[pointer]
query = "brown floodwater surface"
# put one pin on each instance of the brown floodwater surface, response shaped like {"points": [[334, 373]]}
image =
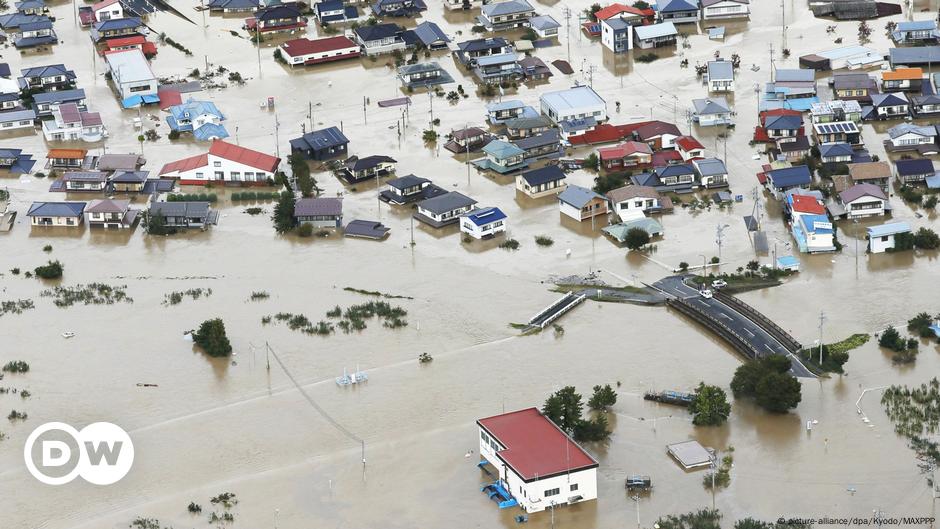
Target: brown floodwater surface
{"points": [[213, 426]]}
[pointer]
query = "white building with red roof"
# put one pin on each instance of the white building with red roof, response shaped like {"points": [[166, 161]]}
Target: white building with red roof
{"points": [[107, 10], [226, 163], [538, 465], [314, 51], [689, 148]]}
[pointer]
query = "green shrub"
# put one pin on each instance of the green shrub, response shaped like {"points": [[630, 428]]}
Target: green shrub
{"points": [[212, 339], [51, 270], [305, 230]]}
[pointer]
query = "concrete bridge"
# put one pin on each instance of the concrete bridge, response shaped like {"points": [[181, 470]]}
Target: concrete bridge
{"points": [[748, 331]]}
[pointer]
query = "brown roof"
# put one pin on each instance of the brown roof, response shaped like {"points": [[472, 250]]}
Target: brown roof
{"points": [[107, 206], [841, 182], [654, 129], [869, 171], [627, 192]]}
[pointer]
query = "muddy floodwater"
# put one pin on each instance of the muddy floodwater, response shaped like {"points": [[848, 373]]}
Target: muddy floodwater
{"points": [[214, 425]]}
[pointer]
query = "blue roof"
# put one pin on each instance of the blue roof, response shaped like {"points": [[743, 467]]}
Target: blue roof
{"points": [[790, 176], [917, 25], [329, 5], [891, 228], [543, 22], [655, 30], [783, 123], [577, 124], [484, 216], [500, 149], [549, 173], [429, 33], [787, 261], [674, 170], [377, 32], [617, 23], [117, 23], [60, 96], [323, 138], [504, 105], [498, 58], [210, 131], [35, 26], [914, 167], [835, 149], [193, 109], [56, 209], [666, 6], [809, 222], [578, 196]]}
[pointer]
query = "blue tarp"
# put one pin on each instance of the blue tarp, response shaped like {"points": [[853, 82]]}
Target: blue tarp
{"points": [[136, 101]]}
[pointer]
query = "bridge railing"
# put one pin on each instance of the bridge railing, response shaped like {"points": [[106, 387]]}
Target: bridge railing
{"points": [[763, 321], [738, 342]]}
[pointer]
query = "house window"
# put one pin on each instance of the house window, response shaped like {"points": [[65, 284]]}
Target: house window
{"points": [[217, 164], [236, 175], [552, 492], [573, 487], [219, 175]]}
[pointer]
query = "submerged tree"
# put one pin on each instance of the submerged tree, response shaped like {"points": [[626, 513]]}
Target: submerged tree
{"points": [[283, 217], [709, 406], [212, 339]]}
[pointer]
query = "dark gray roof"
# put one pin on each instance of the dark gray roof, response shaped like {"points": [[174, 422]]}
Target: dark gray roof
{"points": [[539, 140], [56, 209], [368, 162], [323, 206], [180, 209], [321, 139], [430, 33], [549, 173], [446, 202], [369, 229], [578, 196], [60, 96], [407, 181]]}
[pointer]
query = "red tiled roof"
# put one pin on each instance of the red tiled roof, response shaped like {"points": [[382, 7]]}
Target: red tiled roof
{"points": [[607, 133], [760, 135], [245, 156], [808, 204], [297, 47], [535, 447], [688, 143], [653, 129], [616, 9], [624, 149], [67, 154], [103, 4], [664, 158], [762, 178], [169, 98], [186, 164], [125, 41]]}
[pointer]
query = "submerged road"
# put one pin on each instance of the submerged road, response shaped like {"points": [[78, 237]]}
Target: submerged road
{"points": [[762, 342]]}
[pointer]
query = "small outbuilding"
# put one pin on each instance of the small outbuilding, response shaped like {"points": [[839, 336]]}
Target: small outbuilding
{"points": [[881, 237]]}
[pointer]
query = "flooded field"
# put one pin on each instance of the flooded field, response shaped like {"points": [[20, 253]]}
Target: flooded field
{"points": [[213, 425]]}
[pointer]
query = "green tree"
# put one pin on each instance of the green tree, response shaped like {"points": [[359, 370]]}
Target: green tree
{"points": [[778, 392], [640, 4], [591, 12], [301, 171], [637, 238], [709, 406], [703, 519], [283, 217], [604, 397], [926, 239], [564, 408], [592, 430], [212, 339], [50, 270]]}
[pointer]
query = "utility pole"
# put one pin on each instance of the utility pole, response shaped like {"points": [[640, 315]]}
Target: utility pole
{"points": [[783, 19], [277, 140], [772, 65], [568, 31], [822, 319], [465, 127], [310, 114], [364, 119], [714, 471], [719, 233], [431, 111], [636, 498], [258, 42]]}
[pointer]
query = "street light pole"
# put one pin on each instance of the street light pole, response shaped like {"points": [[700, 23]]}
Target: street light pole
{"points": [[636, 498], [704, 259]]}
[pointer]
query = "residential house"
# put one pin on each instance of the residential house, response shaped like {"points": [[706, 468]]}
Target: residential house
{"points": [[96, 181], [925, 105], [544, 26], [132, 77], [720, 9], [304, 51], [277, 18], [380, 38], [581, 203], [525, 127], [66, 158], [915, 32], [334, 12], [11, 100], [408, 189], [107, 10], [915, 56], [872, 173], [47, 78], [31, 7], [468, 51], [535, 462], [678, 11], [321, 212], [619, 231], [881, 238], [16, 161], [33, 34], [320, 145], [510, 14], [111, 213], [689, 148], [470, 139], [796, 204], [902, 80], [889, 106], [628, 156], [679, 176], [56, 213], [863, 200], [46, 102], [574, 128], [116, 27], [398, 8], [184, 214], [538, 183], [836, 153], [444, 209], [17, 119], [464, 5], [656, 35], [914, 171], [112, 162], [573, 103], [712, 111], [499, 113], [792, 83], [226, 163], [617, 33], [711, 172], [423, 75], [202, 118], [846, 57], [497, 68], [431, 36], [779, 126], [233, 6], [781, 180], [910, 137], [533, 69], [720, 76], [483, 223], [795, 150], [129, 181], [69, 123], [367, 168], [854, 86], [138, 42], [632, 198], [657, 134], [547, 143], [814, 234], [836, 110], [839, 131]]}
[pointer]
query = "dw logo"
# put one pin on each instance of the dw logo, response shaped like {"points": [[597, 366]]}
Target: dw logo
{"points": [[56, 453]]}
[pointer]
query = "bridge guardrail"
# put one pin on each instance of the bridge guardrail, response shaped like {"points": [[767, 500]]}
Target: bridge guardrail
{"points": [[763, 321], [737, 341]]}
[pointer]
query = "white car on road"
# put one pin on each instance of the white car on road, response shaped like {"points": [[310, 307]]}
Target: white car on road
{"points": [[706, 293], [719, 283]]}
